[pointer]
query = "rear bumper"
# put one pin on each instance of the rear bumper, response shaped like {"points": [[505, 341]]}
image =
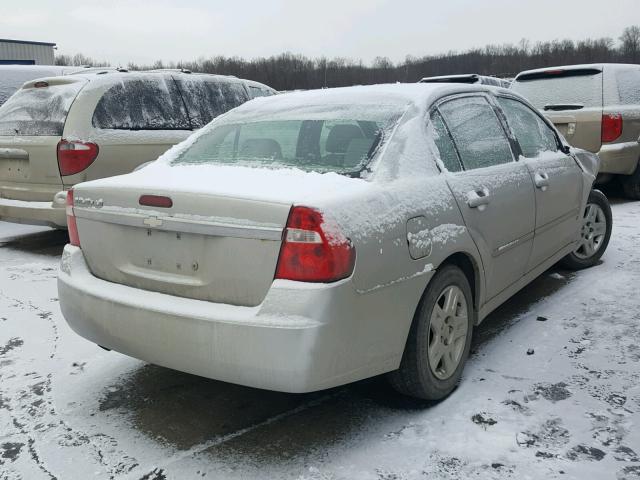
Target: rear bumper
{"points": [[301, 338], [52, 214], [619, 158]]}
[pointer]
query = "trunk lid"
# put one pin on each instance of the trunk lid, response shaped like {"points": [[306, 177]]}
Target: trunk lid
{"points": [[220, 239]]}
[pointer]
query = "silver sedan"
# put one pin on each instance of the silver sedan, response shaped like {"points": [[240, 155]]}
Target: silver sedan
{"points": [[312, 239]]}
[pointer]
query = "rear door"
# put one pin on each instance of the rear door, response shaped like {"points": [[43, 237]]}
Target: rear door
{"points": [[493, 191], [31, 125], [571, 98], [556, 177]]}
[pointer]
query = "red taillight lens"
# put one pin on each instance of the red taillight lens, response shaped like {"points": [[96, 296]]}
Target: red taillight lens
{"points": [[311, 252], [74, 157], [74, 238], [611, 127]]}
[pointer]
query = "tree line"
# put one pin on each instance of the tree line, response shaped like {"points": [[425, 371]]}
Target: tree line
{"points": [[289, 71]]}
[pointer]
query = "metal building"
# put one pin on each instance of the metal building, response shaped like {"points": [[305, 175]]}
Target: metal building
{"points": [[21, 52]]}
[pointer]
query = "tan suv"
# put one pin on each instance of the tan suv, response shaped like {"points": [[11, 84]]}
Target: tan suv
{"points": [[597, 108], [59, 131]]}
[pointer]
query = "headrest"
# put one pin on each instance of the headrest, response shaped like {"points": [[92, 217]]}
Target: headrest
{"points": [[261, 148], [340, 136]]}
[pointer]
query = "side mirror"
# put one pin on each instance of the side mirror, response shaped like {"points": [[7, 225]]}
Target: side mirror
{"points": [[566, 149]]}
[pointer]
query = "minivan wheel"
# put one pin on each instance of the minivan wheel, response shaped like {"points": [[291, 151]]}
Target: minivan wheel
{"points": [[595, 232], [439, 340], [631, 184]]}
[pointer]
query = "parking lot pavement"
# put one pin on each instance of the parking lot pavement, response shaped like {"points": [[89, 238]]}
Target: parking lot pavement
{"points": [[569, 409]]}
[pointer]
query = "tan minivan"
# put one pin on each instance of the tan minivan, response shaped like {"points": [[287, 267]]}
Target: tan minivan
{"points": [[59, 131], [597, 108]]}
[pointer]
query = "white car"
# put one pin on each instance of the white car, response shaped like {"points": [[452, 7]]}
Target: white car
{"points": [[307, 240]]}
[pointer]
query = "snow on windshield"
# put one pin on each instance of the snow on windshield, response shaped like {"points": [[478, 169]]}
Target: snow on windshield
{"points": [[585, 90], [38, 111], [11, 80], [313, 138]]}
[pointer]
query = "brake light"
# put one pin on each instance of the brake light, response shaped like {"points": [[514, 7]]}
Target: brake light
{"points": [[72, 226], [74, 157], [311, 252], [155, 201], [611, 127]]}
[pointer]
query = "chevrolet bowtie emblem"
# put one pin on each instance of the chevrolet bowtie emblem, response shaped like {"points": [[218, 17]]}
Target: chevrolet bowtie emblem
{"points": [[152, 222]]}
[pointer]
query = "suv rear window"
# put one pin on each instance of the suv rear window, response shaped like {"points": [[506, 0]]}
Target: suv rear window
{"points": [[142, 104], [561, 87], [206, 99], [38, 111]]}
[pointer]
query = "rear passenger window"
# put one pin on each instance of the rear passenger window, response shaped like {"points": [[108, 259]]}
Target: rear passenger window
{"points": [[446, 148], [206, 98], [141, 104], [533, 135], [477, 133]]}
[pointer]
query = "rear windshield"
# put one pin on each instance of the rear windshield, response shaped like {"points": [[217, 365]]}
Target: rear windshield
{"points": [[38, 111], [11, 81], [329, 144], [206, 99], [584, 88]]}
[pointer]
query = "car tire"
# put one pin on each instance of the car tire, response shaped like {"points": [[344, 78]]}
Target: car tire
{"points": [[423, 373], [631, 185], [592, 245]]}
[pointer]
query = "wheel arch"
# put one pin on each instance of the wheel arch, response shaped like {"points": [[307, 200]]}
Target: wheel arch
{"points": [[471, 269]]}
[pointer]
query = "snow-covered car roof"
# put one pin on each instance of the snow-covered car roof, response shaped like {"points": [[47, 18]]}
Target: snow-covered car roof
{"points": [[387, 96], [584, 66]]}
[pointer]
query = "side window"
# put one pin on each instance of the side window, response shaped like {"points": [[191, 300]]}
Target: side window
{"points": [[477, 132], [206, 99], [259, 92], [446, 148], [533, 135], [141, 104]]}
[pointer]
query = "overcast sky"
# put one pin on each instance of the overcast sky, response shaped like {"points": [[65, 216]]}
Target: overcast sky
{"points": [[144, 31]]}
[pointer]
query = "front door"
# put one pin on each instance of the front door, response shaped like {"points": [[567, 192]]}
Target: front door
{"points": [[556, 176]]}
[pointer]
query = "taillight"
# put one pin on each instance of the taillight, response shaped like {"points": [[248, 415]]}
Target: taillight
{"points": [[72, 226], [74, 157], [311, 252], [611, 127]]}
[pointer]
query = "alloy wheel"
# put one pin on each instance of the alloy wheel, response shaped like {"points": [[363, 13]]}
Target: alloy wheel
{"points": [[592, 232], [448, 328]]}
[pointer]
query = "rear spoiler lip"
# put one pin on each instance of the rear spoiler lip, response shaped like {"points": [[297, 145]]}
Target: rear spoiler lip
{"points": [[557, 73]]}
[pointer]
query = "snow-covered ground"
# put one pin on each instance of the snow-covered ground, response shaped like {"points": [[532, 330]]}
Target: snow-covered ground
{"points": [[69, 410]]}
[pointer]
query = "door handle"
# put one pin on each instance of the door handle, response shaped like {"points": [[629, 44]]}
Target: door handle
{"points": [[541, 179], [478, 198]]}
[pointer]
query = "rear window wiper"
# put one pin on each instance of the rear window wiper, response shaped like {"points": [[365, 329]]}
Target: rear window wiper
{"points": [[564, 106]]}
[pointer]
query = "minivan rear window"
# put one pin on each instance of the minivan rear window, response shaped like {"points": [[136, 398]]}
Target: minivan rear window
{"points": [[40, 111], [142, 104], [581, 87]]}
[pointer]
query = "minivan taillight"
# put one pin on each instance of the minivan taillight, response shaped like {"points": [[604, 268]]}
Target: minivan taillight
{"points": [[311, 252], [72, 226], [611, 127], [74, 157]]}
